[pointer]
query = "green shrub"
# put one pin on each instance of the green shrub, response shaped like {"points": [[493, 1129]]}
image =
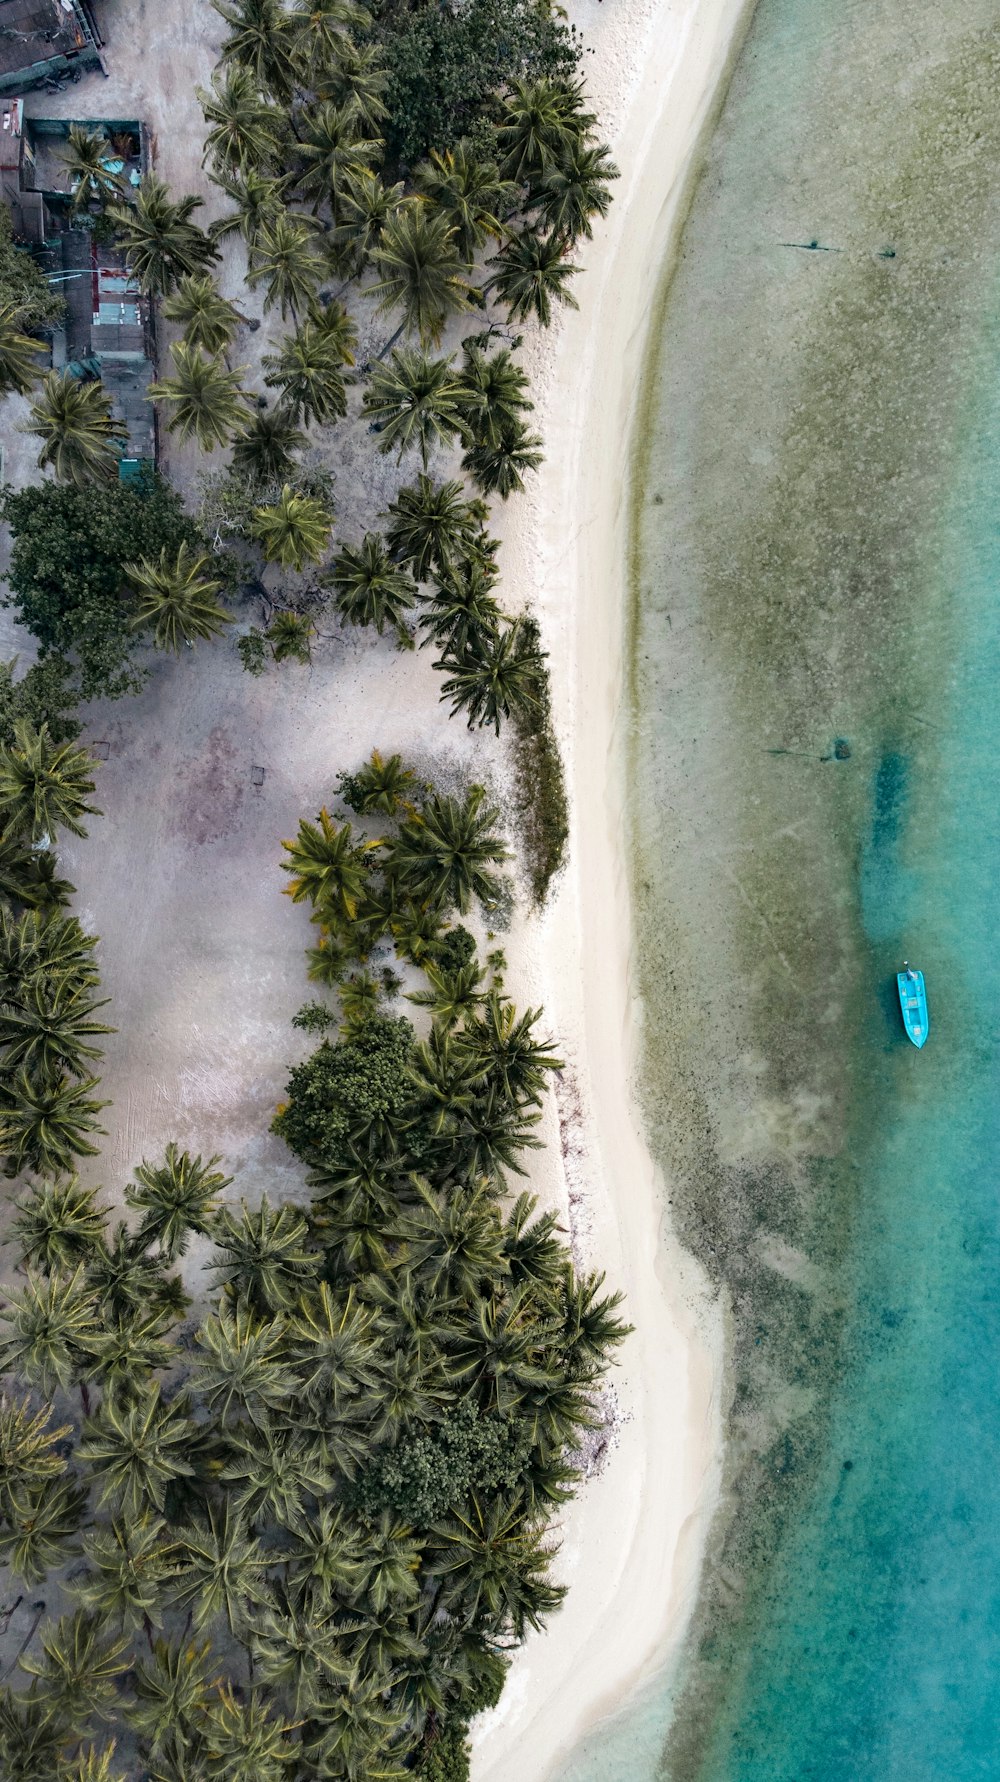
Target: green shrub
{"points": [[347, 1090], [427, 1475], [540, 784]]}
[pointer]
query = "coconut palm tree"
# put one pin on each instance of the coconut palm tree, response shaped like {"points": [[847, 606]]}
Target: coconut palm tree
{"points": [[505, 1044], [81, 439], [264, 1257], [383, 784], [453, 996], [58, 1226], [443, 855], [273, 1473], [531, 275], [543, 122], [493, 677], [420, 271], [29, 876], [308, 372], [244, 1367], [161, 243], [335, 151], [207, 398], [495, 390], [176, 1198], [370, 588], [262, 39], [470, 193], [462, 613], [50, 1326], [248, 1744], [328, 868], [222, 1569], [79, 1665], [209, 320], [44, 785], [128, 1280], [286, 256], [36, 944], [258, 202], [27, 1459], [324, 28], [34, 1736], [87, 158], [130, 1347], [592, 1329], [245, 132], [301, 1654], [415, 400], [91, 1765], [290, 636], [497, 468], [433, 526], [356, 76], [51, 1030], [264, 447], [175, 597], [19, 366], [361, 1733], [40, 1533], [130, 1561], [135, 1447], [294, 530], [575, 191], [172, 1689], [336, 327], [453, 1242], [366, 206]]}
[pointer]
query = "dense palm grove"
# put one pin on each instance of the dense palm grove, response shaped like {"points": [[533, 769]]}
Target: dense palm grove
{"points": [[295, 1538], [288, 1530]]}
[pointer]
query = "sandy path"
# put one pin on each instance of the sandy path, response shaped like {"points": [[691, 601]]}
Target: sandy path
{"points": [[634, 1540]]}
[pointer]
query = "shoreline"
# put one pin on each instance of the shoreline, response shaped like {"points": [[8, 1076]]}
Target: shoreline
{"points": [[634, 1540]]}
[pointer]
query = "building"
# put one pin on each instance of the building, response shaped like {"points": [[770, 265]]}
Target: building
{"points": [[109, 327], [45, 40]]}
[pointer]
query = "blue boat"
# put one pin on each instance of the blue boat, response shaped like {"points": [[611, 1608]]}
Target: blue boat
{"points": [[913, 1002]]}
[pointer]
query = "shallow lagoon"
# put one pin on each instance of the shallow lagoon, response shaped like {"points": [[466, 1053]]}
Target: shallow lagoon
{"points": [[817, 559]]}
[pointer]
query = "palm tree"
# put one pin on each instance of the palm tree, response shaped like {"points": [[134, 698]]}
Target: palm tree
{"points": [[415, 400], [43, 785], [287, 257], [172, 1690], [336, 327], [591, 1328], [328, 867], [355, 76], [371, 589], [324, 27], [135, 1448], [575, 190], [290, 636], [365, 208], [420, 270], [175, 597], [308, 373], [207, 398], [19, 367], [504, 1042], [87, 160], [91, 1765], [209, 320], [294, 530], [258, 204], [130, 1346], [495, 390], [454, 1241], [130, 1562], [383, 784], [175, 1198], [453, 996], [127, 1280], [40, 1532], [443, 855], [531, 275], [246, 1742], [544, 122], [335, 151], [245, 132], [493, 677], [27, 1458], [272, 1473], [222, 1569], [245, 1366], [361, 1733], [301, 1654], [496, 469], [262, 40], [36, 944], [264, 1255], [159, 238], [324, 1559], [51, 1324], [462, 614], [493, 1561], [33, 1736], [79, 1666], [58, 1226], [434, 526], [470, 192], [264, 447], [81, 439], [29, 876]]}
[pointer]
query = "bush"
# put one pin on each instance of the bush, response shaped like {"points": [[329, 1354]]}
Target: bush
{"points": [[23, 284], [448, 63], [346, 1090], [540, 783], [447, 1760], [427, 1475], [66, 578]]}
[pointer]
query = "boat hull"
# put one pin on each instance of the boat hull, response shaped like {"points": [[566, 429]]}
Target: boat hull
{"points": [[913, 1003]]}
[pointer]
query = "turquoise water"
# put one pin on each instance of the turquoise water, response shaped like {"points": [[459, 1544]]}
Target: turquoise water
{"points": [[818, 557]]}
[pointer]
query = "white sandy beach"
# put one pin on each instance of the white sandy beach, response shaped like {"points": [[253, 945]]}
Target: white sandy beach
{"points": [[202, 956]]}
